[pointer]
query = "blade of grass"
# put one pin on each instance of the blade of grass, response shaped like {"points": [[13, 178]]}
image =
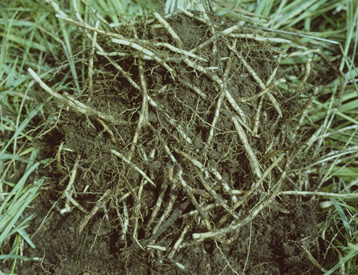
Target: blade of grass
{"points": [[349, 256], [22, 126]]}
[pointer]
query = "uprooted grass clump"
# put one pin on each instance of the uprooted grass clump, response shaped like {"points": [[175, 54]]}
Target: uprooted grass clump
{"points": [[179, 138]]}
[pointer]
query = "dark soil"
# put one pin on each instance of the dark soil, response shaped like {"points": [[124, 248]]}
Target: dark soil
{"points": [[172, 178]]}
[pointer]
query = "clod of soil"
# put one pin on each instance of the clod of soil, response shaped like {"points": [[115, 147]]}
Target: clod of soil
{"points": [[171, 158]]}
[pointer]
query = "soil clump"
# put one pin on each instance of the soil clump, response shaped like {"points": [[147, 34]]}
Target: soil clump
{"points": [[172, 157]]}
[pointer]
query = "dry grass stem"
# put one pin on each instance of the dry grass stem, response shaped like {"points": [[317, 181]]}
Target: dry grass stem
{"points": [[213, 171], [96, 13], [133, 166], [172, 121], [158, 204], [58, 158], [88, 27], [253, 188], [90, 64], [166, 212], [143, 117], [126, 221], [158, 247], [252, 157], [69, 188], [323, 194], [223, 89], [185, 53], [74, 202], [188, 190], [75, 104], [254, 97], [217, 198], [259, 81], [274, 72], [216, 37], [170, 30], [178, 242], [249, 218], [99, 204], [145, 52], [137, 211], [257, 116], [305, 78], [260, 38]]}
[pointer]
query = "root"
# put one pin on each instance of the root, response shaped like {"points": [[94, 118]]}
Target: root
{"points": [[199, 118]]}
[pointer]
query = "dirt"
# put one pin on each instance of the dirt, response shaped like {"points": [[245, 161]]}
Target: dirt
{"points": [[137, 191]]}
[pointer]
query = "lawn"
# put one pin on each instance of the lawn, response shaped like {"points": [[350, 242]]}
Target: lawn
{"points": [[220, 139]]}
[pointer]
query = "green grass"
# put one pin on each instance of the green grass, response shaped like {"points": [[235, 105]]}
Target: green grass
{"points": [[32, 37], [23, 44]]}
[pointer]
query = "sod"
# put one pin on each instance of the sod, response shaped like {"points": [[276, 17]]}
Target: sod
{"points": [[180, 150]]}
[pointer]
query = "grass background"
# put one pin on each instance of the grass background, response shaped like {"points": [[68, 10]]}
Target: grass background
{"points": [[32, 37]]}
